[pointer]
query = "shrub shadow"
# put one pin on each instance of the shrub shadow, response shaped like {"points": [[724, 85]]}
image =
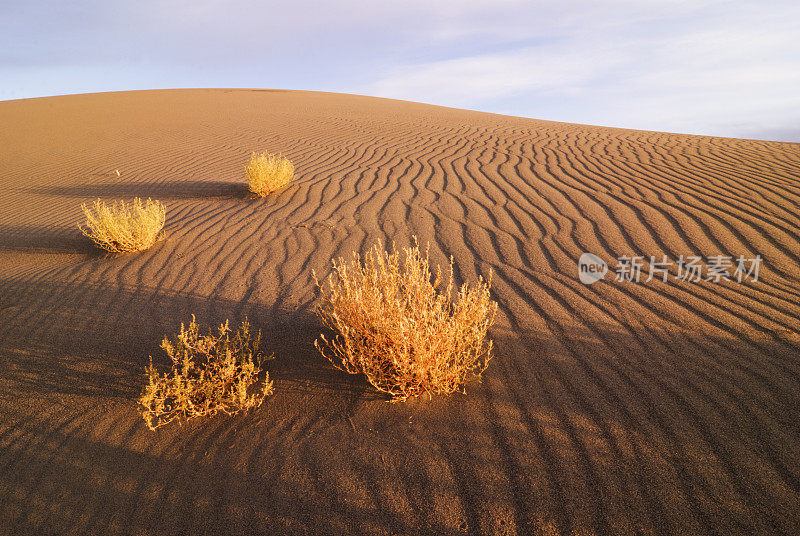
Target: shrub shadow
{"points": [[100, 337], [156, 190], [29, 239]]}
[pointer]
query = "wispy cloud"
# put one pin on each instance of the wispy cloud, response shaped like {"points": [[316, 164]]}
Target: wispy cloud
{"points": [[721, 68], [466, 81]]}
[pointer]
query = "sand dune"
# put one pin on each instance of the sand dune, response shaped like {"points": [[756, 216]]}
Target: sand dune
{"points": [[615, 408]]}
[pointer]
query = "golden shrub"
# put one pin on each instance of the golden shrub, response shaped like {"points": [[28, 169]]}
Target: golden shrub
{"points": [[209, 374], [395, 326], [267, 172], [124, 227]]}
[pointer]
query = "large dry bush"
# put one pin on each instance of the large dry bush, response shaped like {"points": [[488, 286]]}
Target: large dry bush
{"points": [[209, 374], [393, 324], [267, 172], [124, 227]]}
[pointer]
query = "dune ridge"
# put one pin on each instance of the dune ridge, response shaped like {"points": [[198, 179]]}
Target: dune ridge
{"points": [[615, 408]]}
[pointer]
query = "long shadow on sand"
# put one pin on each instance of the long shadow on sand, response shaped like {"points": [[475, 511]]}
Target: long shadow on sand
{"points": [[170, 189], [97, 338], [30, 239]]}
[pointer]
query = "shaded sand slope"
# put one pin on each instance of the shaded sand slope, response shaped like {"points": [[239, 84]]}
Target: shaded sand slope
{"points": [[616, 408]]}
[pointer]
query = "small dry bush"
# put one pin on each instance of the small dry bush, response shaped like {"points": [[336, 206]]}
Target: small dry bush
{"points": [[268, 172], [124, 227], [396, 327], [210, 374]]}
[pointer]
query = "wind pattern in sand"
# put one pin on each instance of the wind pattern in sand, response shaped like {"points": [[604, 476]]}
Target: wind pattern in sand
{"points": [[616, 408]]}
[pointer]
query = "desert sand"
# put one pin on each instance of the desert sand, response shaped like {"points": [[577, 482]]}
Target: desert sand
{"points": [[612, 408]]}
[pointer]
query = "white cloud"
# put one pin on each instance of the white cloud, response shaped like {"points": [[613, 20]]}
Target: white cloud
{"points": [[466, 81], [700, 69]]}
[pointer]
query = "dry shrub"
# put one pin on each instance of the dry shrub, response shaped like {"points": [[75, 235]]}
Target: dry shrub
{"points": [[210, 374], [401, 331], [122, 227], [268, 172]]}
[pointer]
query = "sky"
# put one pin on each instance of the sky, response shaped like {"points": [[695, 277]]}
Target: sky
{"points": [[712, 67]]}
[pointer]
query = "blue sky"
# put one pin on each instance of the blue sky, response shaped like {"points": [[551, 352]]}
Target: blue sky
{"points": [[726, 68]]}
